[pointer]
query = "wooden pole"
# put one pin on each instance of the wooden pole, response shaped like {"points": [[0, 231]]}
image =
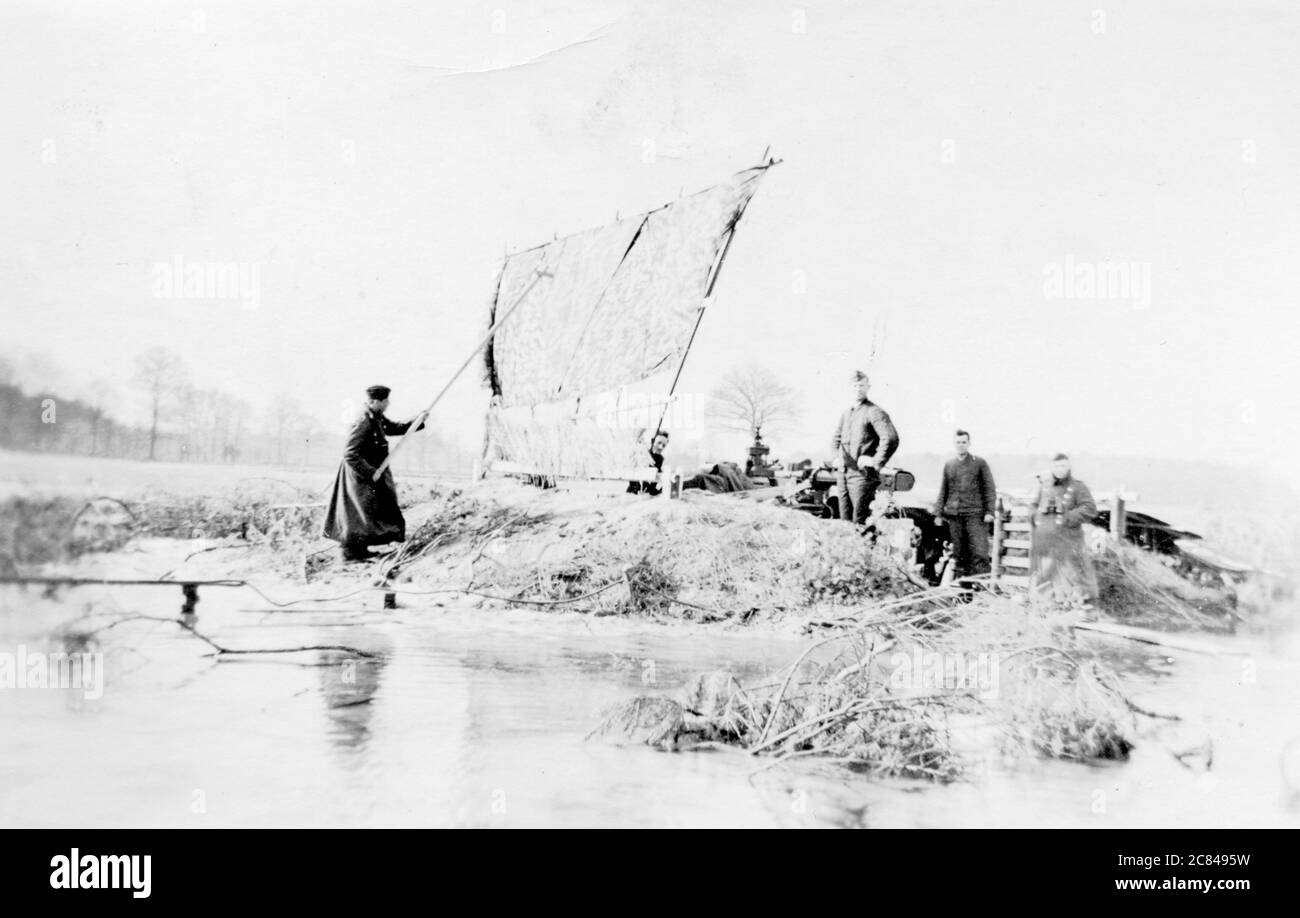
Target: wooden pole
{"points": [[997, 540], [717, 269], [537, 275], [1118, 517]]}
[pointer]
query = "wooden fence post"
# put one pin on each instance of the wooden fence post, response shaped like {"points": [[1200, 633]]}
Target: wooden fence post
{"points": [[1118, 517], [997, 540]]}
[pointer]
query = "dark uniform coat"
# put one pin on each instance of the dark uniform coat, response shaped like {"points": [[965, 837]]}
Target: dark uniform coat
{"points": [[966, 487], [863, 430], [361, 511], [966, 495], [1059, 564]]}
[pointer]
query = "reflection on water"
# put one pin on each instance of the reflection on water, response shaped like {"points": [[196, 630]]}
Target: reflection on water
{"points": [[479, 718], [348, 687]]}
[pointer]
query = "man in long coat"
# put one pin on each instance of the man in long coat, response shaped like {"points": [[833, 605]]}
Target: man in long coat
{"points": [[362, 511], [1060, 567]]}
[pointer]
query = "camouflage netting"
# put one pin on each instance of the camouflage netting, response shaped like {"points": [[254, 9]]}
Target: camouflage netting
{"points": [[595, 311], [551, 440]]}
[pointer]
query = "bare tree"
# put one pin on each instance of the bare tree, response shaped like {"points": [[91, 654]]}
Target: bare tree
{"points": [[237, 413], [189, 402], [97, 397], [160, 374], [751, 397], [226, 416], [285, 420], [310, 430]]}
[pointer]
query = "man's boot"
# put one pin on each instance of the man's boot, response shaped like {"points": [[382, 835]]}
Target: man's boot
{"points": [[355, 551]]}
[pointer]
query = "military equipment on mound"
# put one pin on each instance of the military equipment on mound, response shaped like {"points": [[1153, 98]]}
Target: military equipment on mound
{"points": [[820, 492]]}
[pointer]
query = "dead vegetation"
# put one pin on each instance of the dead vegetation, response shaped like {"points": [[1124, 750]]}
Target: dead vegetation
{"points": [[59, 528], [891, 694], [705, 559], [1136, 588]]}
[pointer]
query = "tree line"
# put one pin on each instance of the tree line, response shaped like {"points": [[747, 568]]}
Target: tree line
{"points": [[182, 422]]}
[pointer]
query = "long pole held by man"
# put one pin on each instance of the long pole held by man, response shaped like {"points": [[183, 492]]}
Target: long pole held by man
{"points": [[538, 274], [363, 509]]}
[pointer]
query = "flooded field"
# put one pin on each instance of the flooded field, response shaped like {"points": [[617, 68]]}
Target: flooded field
{"points": [[474, 718], [445, 712]]}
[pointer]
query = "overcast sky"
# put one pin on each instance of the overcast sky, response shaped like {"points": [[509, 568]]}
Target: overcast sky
{"points": [[943, 162]]}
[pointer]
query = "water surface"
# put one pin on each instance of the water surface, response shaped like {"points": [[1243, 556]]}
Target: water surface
{"points": [[477, 717]]}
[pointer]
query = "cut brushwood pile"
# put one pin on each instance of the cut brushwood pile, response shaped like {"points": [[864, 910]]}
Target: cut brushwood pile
{"points": [[905, 694], [1136, 588]]}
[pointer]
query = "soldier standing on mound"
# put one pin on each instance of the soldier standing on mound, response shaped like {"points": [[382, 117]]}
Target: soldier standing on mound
{"points": [[1060, 567], [864, 440]]}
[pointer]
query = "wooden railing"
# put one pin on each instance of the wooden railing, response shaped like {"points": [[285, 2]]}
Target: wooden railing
{"points": [[1010, 550], [1012, 539]]}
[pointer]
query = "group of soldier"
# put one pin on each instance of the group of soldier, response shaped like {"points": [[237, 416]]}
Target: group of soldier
{"points": [[864, 440], [363, 510]]}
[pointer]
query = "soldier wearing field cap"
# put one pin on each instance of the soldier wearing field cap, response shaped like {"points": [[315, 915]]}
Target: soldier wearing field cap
{"points": [[864, 440], [364, 512]]}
